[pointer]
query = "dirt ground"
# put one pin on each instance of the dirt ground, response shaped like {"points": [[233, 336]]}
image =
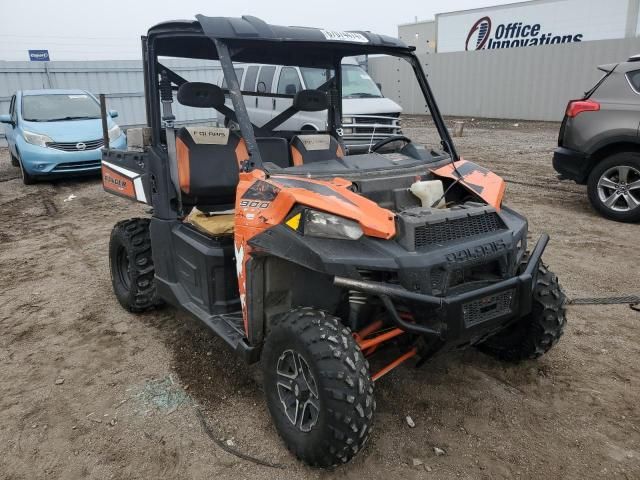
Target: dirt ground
{"points": [[90, 391]]}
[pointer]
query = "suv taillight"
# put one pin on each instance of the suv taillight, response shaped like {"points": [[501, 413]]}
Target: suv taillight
{"points": [[576, 107]]}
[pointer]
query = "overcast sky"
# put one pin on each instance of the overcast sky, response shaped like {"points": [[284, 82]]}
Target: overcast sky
{"points": [[111, 29]]}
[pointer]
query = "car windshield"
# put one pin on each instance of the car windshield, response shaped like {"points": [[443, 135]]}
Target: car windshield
{"points": [[356, 83], [59, 107]]}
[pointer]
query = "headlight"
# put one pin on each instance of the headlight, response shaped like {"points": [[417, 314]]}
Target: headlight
{"points": [[325, 225], [347, 131], [114, 133], [347, 120], [36, 138]]}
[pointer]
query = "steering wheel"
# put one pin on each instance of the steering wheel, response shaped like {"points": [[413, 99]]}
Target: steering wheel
{"points": [[386, 141]]}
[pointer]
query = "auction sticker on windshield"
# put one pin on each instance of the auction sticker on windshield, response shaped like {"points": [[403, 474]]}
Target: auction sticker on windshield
{"points": [[344, 36]]}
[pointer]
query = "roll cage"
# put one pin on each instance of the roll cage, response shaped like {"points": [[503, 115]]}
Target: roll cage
{"points": [[251, 40]]}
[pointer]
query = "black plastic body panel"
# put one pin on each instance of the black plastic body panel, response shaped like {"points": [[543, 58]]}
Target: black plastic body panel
{"points": [[193, 268], [571, 165]]}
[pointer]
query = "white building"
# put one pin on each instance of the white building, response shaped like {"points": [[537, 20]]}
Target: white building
{"points": [[535, 23]]}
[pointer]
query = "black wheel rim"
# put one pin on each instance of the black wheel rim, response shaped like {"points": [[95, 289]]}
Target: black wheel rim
{"points": [[298, 391], [122, 267]]}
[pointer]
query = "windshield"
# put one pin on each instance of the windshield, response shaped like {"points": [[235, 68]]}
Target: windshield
{"points": [[58, 107], [356, 83]]}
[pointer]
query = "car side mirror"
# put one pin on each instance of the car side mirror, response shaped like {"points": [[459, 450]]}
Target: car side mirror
{"points": [[6, 119], [113, 113], [379, 85]]}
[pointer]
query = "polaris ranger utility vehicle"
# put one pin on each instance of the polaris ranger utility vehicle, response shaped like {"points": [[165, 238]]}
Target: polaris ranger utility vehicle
{"points": [[310, 261]]}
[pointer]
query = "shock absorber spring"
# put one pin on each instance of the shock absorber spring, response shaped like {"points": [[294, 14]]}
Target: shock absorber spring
{"points": [[357, 301]]}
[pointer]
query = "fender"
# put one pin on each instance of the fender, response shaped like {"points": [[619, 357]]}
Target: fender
{"points": [[263, 203]]}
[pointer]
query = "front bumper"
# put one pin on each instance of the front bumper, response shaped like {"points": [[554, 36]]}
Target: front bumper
{"points": [[46, 161], [464, 318], [571, 164]]}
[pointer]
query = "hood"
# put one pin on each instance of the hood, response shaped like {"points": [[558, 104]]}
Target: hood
{"points": [[69, 130], [369, 106]]}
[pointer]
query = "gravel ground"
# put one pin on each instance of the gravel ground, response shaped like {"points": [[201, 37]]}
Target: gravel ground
{"points": [[90, 391]]}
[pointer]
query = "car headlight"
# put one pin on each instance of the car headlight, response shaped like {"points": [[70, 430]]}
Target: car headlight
{"points": [[347, 120], [114, 133], [326, 225], [36, 138]]}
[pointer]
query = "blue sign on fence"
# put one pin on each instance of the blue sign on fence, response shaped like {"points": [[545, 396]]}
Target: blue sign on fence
{"points": [[39, 55]]}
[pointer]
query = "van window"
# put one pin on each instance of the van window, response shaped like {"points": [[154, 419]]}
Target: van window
{"points": [[239, 72], [250, 79], [315, 77], [266, 78], [634, 80], [289, 82]]}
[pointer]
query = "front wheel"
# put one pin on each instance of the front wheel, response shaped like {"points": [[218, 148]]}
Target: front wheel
{"points": [[318, 388], [614, 187], [131, 265], [27, 178], [533, 335]]}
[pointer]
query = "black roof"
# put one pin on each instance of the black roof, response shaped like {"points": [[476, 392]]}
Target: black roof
{"points": [[253, 33]]}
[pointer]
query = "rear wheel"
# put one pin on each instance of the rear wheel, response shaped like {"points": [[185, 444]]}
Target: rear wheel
{"points": [[535, 334], [318, 388], [614, 187], [131, 265]]}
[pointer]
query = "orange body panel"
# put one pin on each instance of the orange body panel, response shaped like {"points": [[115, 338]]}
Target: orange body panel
{"points": [[184, 169], [117, 183], [255, 213], [486, 184]]}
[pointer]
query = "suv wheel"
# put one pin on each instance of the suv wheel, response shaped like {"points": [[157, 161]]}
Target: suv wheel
{"points": [[318, 388], [614, 187]]}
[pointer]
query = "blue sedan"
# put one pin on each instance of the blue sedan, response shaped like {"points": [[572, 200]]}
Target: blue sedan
{"points": [[57, 132]]}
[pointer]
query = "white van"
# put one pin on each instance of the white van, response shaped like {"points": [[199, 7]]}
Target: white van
{"points": [[367, 116]]}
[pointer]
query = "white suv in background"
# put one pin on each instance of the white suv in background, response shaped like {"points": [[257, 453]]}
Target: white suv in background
{"points": [[367, 116]]}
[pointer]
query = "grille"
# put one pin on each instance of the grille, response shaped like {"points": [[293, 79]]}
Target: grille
{"points": [[63, 167], [73, 146], [378, 120], [449, 230], [381, 130], [488, 308]]}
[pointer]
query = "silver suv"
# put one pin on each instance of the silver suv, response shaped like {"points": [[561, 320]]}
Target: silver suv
{"points": [[599, 143]]}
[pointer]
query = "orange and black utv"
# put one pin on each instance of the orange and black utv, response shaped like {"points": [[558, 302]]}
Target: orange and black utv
{"points": [[308, 259]]}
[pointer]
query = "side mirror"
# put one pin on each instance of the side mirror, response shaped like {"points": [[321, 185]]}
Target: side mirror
{"points": [[6, 119], [310, 101], [290, 89], [379, 85], [201, 95], [113, 113]]}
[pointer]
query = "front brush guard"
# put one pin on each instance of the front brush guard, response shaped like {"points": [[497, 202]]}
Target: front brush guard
{"points": [[451, 307]]}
